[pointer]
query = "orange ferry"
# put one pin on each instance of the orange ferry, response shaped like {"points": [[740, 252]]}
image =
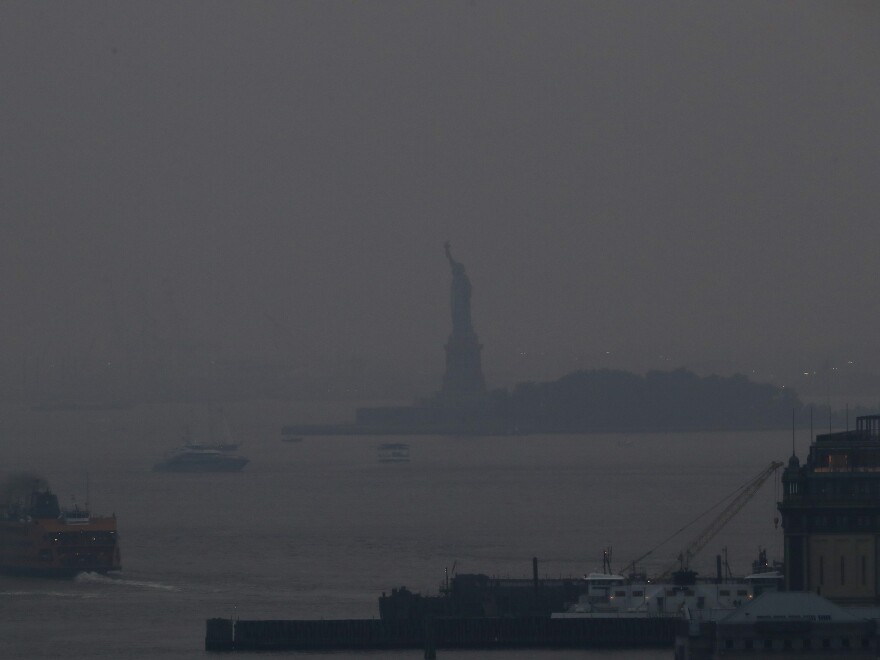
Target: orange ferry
{"points": [[42, 539]]}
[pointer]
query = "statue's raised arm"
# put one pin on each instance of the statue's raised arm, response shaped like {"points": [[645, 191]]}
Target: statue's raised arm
{"points": [[448, 249]]}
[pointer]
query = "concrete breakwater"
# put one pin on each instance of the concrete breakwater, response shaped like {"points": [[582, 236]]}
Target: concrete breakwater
{"points": [[443, 632]]}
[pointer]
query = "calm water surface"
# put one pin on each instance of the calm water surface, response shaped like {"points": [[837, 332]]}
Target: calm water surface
{"points": [[319, 529]]}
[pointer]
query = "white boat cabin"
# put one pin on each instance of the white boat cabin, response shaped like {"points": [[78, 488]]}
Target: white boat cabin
{"points": [[613, 595]]}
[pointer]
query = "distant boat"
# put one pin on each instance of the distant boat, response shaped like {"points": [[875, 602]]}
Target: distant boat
{"points": [[194, 458], [394, 452], [227, 444]]}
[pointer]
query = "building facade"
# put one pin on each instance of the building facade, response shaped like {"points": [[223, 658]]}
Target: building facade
{"points": [[830, 512]]}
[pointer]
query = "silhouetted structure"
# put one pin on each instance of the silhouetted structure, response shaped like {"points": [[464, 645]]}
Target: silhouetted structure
{"points": [[831, 516], [461, 405], [587, 402], [579, 402], [463, 381]]}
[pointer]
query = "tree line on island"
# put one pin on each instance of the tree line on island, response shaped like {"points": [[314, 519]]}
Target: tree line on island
{"points": [[679, 400]]}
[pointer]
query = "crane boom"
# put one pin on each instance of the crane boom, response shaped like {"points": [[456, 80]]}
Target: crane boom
{"points": [[738, 502]]}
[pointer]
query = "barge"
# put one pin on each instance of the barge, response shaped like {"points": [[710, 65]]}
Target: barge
{"points": [[475, 611]]}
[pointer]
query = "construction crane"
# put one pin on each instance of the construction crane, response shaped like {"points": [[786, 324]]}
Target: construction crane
{"points": [[693, 548]]}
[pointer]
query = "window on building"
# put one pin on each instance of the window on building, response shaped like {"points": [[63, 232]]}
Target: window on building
{"points": [[724, 592], [838, 461], [821, 570], [864, 571], [843, 570]]}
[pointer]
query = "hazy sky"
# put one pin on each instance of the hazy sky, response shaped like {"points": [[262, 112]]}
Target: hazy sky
{"points": [[698, 181]]}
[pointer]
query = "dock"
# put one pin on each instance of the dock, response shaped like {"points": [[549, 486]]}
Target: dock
{"points": [[441, 633]]}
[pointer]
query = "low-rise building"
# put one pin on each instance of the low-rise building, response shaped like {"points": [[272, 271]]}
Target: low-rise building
{"points": [[780, 625]]}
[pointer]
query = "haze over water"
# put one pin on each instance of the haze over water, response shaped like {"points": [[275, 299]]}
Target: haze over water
{"points": [[631, 185], [320, 529], [213, 201]]}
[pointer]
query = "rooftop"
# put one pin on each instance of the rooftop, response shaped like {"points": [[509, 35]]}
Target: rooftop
{"points": [[790, 606]]}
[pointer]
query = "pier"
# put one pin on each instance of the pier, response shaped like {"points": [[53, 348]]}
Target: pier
{"points": [[441, 633]]}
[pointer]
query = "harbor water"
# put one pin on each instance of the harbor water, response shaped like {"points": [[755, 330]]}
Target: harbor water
{"points": [[320, 528]]}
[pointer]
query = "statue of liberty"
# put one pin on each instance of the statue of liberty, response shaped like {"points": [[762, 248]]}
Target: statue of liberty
{"points": [[460, 297], [463, 382]]}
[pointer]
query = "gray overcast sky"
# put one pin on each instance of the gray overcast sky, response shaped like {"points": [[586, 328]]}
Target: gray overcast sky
{"points": [[691, 180]]}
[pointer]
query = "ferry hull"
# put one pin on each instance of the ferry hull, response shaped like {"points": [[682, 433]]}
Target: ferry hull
{"points": [[55, 548], [52, 573]]}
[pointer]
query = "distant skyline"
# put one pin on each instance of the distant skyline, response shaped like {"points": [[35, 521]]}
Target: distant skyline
{"points": [[629, 185]]}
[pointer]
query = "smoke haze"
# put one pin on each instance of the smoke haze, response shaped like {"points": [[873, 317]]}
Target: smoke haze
{"points": [[629, 184]]}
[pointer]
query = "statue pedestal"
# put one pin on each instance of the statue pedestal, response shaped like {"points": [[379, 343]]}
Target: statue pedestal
{"points": [[463, 381]]}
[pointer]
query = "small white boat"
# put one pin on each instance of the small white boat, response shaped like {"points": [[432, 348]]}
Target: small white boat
{"points": [[193, 458], [394, 452]]}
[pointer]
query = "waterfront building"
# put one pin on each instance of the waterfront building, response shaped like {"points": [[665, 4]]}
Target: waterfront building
{"points": [[779, 625], [830, 513]]}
